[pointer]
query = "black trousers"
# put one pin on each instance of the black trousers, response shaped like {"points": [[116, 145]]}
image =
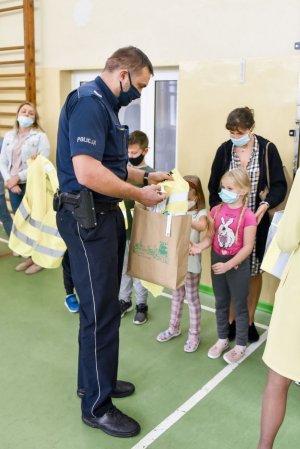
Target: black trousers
{"points": [[67, 275], [96, 259]]}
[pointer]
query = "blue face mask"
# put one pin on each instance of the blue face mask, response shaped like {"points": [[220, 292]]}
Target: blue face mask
{"points": [[228, 197], [127, 97], [241, 141], [25, 122]]}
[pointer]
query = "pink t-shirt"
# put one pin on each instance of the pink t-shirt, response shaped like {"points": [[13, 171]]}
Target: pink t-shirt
{"points": [[226, 222]]}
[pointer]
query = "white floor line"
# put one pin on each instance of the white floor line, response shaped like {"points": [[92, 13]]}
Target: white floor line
{"points": [[3, 240], [195, 399], [200, 394]]}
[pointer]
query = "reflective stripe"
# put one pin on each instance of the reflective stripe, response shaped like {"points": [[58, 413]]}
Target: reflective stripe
{"points": [[22, 237], [23, 211], [37, 224], [48, 251], [38, 248], [49, 230]]}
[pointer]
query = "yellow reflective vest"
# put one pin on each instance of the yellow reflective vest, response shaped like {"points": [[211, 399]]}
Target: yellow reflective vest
{"points": [[34, 231]]}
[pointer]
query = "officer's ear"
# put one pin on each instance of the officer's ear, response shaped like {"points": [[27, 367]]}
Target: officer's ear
{"points": [[123, 74]]}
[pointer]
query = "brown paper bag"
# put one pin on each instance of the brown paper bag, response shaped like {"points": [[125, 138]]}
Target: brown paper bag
{"points": [[159, 247]]}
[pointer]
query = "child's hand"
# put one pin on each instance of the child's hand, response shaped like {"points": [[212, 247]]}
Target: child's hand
{"points": [[194, 249], [220, 268], [34, 156]]}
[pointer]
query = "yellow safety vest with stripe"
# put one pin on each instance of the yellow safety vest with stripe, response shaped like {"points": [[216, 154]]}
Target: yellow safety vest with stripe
{"points": [[34, 231]]}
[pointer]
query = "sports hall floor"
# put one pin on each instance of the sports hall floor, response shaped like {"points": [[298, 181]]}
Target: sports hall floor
{"points": [[181, 400]]}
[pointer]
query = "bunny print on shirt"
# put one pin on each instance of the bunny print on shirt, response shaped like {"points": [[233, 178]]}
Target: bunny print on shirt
{"points": [[226, 237]]}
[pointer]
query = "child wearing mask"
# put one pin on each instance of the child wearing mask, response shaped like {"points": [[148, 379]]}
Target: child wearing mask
{"points": [[190, 289], [137, 149], [231, 234]]}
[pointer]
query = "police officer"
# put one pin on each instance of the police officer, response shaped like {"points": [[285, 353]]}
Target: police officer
{"points": [[92, 170]]}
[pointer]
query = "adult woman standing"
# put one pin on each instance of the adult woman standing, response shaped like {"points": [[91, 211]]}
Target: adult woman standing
{"points": [[248, 151], [26, 140], [282, 348]]}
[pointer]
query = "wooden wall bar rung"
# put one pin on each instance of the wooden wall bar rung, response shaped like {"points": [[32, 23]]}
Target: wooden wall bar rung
{"points": [[27, 8], [12, 75], [17, 61], [12, 88], [11, 8], [11, 101], [5, 126], [16, 47], [7, 114]]}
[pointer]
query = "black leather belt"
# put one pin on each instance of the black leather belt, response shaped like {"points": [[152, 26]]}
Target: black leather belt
{"points": [[99, 206]]}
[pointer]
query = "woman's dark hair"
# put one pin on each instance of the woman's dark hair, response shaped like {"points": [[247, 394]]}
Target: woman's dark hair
{"points": [[130, 58], [240, 118]]}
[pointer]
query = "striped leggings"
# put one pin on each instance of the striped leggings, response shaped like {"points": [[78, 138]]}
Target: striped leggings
{"points": [[190, 291]]}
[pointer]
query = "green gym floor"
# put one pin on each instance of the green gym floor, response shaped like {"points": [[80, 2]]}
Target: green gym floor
{"points": [[181, 400]]}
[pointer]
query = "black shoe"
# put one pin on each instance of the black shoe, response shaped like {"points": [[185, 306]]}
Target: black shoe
{"points": [[114, 423], [125, 306], [231, 331], [141, 315], [122, 390], [253, 335]]}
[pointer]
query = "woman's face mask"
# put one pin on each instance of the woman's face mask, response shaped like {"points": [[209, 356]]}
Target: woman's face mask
{"points": [[240, 141], [24, 121]]}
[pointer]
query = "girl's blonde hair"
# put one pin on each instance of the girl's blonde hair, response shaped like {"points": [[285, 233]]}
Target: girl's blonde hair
{"points": [[195, 184], [240, 179]]}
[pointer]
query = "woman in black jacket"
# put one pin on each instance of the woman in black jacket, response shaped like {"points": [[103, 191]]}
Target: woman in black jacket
{"points": [[248, 150]]}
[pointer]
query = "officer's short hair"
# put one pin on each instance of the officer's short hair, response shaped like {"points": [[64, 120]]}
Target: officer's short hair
{"points": [[131, 58], [138, 138]]}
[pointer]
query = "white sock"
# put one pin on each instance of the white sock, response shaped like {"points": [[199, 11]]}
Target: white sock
{"points": [[241, 348]]}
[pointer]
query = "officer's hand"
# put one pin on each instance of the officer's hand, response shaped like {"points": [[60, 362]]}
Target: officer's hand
{"points": [[151, 195], [159, 176]]}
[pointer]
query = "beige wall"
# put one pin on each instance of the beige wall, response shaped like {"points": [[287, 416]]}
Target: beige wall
{"points": [[81, 33], [209, 90], [206, 39]]}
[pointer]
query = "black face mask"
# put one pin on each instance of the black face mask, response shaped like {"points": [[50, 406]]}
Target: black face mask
{"points": [[127, 97], [136, 160]]}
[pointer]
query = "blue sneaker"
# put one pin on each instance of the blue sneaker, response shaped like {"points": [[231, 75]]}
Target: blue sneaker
{"points": [[72, 304]]}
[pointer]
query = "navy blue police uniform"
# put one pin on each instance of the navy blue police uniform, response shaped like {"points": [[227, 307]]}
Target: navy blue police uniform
{"points": [[89, 125]]}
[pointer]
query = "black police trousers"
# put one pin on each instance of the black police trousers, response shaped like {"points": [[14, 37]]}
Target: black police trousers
{"points": [[96, 258]]}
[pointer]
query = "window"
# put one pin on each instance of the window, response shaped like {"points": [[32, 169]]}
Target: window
{"points": [[155, 113]]}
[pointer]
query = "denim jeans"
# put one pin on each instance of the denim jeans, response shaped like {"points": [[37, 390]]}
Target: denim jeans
{"points": [[16, 198], [4, 214]]}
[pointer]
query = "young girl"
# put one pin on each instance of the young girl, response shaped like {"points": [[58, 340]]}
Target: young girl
{"points": [[232, 235], [190, 289]]}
